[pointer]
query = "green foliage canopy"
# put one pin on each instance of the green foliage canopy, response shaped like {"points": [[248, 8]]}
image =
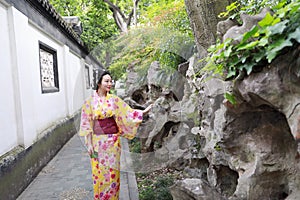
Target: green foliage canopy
{"points": [[163, 34], [95, 17]]}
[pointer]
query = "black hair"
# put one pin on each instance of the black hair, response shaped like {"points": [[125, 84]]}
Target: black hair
{"points": [[100, 78]]}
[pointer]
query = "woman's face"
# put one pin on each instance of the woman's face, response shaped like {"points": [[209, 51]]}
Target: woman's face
{"points": [[106, 83]]}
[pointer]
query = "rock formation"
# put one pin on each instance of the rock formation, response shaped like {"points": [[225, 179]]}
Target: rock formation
{"points": [[246, 151], [243, 151], [236, 31]]}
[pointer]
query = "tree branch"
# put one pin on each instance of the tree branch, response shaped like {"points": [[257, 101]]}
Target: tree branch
{"points": [[122, 22], [132, 12], [115, 9]]}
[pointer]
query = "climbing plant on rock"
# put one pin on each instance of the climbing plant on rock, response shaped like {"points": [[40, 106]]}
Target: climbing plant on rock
{"points": [[276, 32]]}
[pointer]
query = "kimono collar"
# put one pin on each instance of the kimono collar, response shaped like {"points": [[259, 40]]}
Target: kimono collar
{"points": [[97, 97]]}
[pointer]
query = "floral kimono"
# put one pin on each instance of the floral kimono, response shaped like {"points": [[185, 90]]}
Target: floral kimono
{"points": [[106, 165]]}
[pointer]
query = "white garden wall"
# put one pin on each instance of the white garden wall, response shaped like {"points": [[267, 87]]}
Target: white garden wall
{"points": [[8, 111], [25, 112]]}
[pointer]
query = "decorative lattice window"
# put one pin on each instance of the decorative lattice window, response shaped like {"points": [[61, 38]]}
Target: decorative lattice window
{"points": [[87, 77], [48, 68]]}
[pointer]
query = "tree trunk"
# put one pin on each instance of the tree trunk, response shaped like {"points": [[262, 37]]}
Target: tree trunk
{"points": [[120, 21], [203, 15], [135, 4]]}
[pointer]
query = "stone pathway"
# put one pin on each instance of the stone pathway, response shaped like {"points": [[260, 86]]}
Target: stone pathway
{"points": [[68, 177]]}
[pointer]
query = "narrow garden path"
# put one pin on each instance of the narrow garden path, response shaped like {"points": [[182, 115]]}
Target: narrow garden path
{"points": [[68, 177]]}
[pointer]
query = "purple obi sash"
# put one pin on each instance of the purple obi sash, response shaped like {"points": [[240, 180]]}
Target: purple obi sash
{"points": [[105, 126]]}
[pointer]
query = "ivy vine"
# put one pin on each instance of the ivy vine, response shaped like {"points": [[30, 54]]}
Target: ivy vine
{"points": [[260, 45]]}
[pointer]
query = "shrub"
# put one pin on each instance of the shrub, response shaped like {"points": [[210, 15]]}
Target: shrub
{"points": [[156, 188]]}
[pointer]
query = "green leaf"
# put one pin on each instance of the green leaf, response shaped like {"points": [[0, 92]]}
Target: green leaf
{"points": [[230, 98], [228, 51], [267, 21], [248, 45], [231, 73], [258, 56], [282, 12], [271, 55], [295, 35], [227, 42], [295, 7], [212, 48], [244, 58], [263, 42], [276, 21], [229, 8], [232, 6], [250, 34], [279, 5], [234, 60], [278, 28], [274, 48], [265, 31], [248, 66]]}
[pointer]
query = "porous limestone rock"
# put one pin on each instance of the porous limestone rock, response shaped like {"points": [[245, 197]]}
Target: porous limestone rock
{"points": [[194, 189], [236, 31], [240, 152]]}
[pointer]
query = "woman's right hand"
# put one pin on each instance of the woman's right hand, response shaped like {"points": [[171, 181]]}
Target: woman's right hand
{"points": [[147, 109], [89, 144], [90, 149]]}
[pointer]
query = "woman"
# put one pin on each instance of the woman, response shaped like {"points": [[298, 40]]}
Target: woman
{"points": [[104, 118]]}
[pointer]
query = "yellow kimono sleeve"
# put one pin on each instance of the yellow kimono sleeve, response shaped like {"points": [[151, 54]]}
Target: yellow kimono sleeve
{"points": [[128, 119], [86, 122]]}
